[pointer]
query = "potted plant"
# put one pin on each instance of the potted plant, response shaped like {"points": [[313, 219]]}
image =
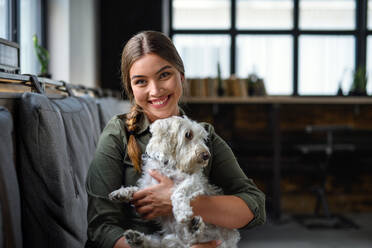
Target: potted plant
{"points": [[359, 85], [43, 57], [255, 85]]}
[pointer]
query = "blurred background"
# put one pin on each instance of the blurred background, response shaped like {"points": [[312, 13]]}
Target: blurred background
{"points": [[284, 82]]}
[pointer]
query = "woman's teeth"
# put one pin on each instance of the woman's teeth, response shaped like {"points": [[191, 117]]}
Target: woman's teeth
{"points": [[159, 102]]}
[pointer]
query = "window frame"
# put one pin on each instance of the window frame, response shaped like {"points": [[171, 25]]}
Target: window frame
{"points": [[360, 34]]}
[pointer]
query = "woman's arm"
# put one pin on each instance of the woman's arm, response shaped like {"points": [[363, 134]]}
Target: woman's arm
{"points": [[224, 210]]}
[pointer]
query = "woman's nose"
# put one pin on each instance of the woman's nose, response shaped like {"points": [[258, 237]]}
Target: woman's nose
{"points": [[155, 89]]}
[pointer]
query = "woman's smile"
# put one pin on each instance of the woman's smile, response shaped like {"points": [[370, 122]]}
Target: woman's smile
{"points": [[160, 102]]}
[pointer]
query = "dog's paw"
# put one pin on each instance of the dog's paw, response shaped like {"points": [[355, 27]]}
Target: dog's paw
{"points": [[196, 225], [117, 195], [124, 194], [134, 238]]}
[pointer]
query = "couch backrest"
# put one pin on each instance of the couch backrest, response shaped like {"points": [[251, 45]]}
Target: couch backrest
{"points": [[57, 140], [109, 107], [10, 205]]}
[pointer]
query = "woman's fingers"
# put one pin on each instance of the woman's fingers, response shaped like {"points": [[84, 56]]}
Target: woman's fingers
{"points": [[210, 244], [158, 176], [154, 201]]}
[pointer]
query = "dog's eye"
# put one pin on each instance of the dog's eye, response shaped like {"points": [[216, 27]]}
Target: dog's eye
{"points": [[188, 135]]}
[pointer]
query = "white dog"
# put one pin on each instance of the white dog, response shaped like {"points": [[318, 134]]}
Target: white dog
{"points": [[177, 150]]}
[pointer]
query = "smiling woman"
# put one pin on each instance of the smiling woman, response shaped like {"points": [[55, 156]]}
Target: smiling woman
{"points": [[153, 77], [157, 86]]}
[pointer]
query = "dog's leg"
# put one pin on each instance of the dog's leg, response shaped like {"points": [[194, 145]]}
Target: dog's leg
{"points": [[186, 191], [124, 194]]}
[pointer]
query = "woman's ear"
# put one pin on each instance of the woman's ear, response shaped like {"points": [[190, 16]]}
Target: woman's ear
{"points": [[182, 78]]}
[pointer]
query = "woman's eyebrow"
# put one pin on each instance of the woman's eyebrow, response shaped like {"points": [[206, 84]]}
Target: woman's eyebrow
{"points": [[163, 68], [136, 76]]}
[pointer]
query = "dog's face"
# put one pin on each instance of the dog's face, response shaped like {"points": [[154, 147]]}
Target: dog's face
{"points": [[179, 141]]}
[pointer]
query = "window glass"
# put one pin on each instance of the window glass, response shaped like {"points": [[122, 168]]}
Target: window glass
{"points": [[264, 14], [30, 24], [201, 14], [268, 56], [369, 15], [4, 19], [325, 63], [369, 65], [327, 14], [201, 53]]}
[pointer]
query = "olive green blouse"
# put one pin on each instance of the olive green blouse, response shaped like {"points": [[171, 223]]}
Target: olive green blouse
{"points": [[112, 168]]}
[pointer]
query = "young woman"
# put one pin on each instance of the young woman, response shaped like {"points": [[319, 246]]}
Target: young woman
{"points": [[153, 76]]}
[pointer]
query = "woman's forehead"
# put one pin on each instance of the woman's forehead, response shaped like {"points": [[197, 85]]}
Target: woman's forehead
{"points": [[148, 64]]}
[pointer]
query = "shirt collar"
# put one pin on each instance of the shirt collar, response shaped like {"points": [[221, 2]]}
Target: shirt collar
{"points": [[144, 122]]}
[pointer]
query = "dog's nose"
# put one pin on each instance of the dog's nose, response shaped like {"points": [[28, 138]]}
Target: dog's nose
{"points": [[205, 156]]}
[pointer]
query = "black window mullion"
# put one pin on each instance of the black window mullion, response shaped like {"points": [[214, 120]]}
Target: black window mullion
{"points": [[44, 23], [12, 21], [295, 34], [171, 19], [16, 21], [361, 37], [233, 38]]}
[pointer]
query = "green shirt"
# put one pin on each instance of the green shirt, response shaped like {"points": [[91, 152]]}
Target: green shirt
{"points": [[112, 168]]}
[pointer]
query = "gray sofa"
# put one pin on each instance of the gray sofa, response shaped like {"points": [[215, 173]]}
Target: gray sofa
{"points": [[56, 140], [10, 204]]}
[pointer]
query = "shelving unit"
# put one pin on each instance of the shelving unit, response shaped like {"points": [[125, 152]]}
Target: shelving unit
{"points": [[279, 100]]}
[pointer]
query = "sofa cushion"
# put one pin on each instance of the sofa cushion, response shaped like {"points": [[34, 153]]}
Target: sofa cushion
{"points": [[10, 204], [109, 107], [57, 141]]}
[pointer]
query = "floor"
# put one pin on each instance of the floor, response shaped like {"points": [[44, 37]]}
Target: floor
{"points": [[290, 234]]}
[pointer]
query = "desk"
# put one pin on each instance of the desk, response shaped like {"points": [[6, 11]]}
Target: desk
{"points": [[276, 104]]}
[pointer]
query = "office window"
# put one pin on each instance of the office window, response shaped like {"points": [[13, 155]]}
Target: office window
{"points": [[369, 65], [325, 63], [264, 14], [369, 15], [269, 57], [369, 48], [201, 14], [327, 14], [299, 47], [4, 19], [30, 24], [201, 54]]}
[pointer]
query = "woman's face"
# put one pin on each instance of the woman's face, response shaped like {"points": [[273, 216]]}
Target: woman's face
{"points": [[156, 86]]}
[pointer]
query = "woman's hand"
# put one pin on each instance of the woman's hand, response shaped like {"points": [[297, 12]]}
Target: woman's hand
{"points": [[210, 244], [154, 201]]}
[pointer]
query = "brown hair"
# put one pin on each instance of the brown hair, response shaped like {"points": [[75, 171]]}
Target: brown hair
{"points": [[139, 45]]}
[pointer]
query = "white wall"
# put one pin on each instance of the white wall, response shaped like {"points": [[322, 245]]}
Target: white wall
{"points": [[72, 41]]}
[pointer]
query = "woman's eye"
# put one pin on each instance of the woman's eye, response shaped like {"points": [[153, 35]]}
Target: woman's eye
{"points": [[164, 74], [141, 81], [188, 135]]}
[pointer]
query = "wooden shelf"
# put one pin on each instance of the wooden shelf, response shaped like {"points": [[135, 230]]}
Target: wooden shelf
{"points": [[278, 100]]}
